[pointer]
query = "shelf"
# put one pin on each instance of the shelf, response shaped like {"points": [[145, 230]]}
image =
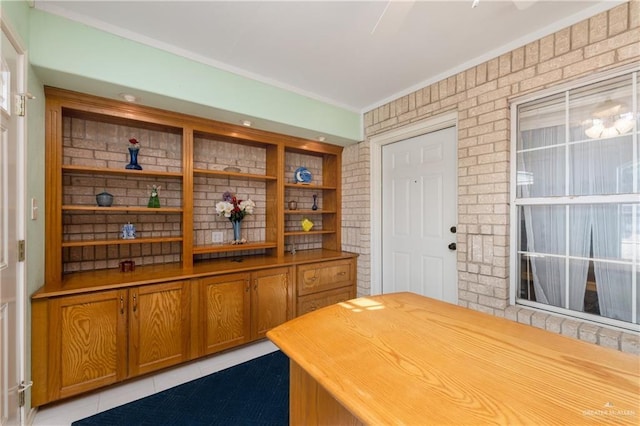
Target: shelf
{"points": [[105, 279], [223, 174], [222, 248], [137, 209], [120, 242], [309, 211], [123, 172], [291, 233], [309, 186]]}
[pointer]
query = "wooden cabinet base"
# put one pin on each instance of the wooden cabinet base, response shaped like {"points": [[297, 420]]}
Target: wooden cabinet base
{"points": [[310, 404], [85, 340]]}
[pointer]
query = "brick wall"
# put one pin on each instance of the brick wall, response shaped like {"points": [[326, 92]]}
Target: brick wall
{"points": [[304, 198], [99, 144], [212, 154], [481, 97]]}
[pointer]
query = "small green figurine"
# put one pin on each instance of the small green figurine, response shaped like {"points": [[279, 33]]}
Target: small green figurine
{"points": [[154, 201]]}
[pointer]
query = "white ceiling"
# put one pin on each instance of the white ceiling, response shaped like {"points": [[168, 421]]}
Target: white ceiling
{"points": [[328, 50]]}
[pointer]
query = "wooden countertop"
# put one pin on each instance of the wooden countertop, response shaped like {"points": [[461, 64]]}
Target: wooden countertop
{"points": [[108, 279], [406, 359]]}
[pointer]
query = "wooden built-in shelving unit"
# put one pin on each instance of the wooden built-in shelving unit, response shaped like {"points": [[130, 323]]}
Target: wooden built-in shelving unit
{"points": [[99, 319], [189, 155]]}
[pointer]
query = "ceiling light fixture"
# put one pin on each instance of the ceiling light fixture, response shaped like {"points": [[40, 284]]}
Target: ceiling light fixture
{"points": [[321, 138], [128, 97], [608, 120], [246, 123], [474, 4]]}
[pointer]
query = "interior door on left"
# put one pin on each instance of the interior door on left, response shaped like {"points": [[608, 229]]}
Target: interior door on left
{"points": [[11, 275]]}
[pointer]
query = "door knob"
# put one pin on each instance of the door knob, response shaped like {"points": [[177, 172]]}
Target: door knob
{"points": [[452, 246], [453, 229]]}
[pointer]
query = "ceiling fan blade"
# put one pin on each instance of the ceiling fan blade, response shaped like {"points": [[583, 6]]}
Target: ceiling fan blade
{"points": [[392, 16]]}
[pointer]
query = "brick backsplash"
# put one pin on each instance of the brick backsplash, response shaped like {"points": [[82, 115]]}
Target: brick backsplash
{"points": [[98, 144], [207, 192], [481, 97]]}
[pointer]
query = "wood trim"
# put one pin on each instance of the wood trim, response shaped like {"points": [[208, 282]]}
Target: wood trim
{"points": [[227, 248], [187, 197], [85, 243], [231, 175], [136, 209], [40, 351], [69, 168], [53, 194]]}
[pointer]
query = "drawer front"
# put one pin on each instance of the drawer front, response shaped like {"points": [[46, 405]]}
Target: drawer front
{"points": [[316, 301], [321, 276]]}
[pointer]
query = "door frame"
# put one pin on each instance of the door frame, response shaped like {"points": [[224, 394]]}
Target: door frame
{"points": [[21, 138], [376, 142]]}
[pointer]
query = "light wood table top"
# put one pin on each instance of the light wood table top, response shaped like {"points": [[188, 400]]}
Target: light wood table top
{"points": [[406, 359]]}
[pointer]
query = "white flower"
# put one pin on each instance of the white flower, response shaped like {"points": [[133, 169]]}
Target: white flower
{"points": [[233, 208], [247, 206], [224, 208]]}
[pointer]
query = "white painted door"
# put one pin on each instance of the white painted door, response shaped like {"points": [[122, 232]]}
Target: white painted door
{"points": [[10, 271], [419, 208]]}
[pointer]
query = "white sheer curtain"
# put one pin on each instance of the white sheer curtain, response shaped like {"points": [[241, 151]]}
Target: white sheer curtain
{"points": [[596, 170], [593, 230], [546, 225]]}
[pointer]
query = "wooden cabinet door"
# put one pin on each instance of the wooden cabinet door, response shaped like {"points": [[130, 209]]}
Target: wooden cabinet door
{"points": [[225, 313], [88, 342], [271, 300], [159, 326]]}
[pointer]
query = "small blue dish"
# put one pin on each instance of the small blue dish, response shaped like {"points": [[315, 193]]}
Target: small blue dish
{"points": [[302, 175]]}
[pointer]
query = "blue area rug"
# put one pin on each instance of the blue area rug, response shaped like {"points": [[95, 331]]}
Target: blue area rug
{"points": [[253, 393]]}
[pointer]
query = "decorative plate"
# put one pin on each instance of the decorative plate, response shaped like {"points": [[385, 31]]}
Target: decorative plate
{"points": [[302, 175]]}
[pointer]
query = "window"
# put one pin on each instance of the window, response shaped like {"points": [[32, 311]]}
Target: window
{"points": [[576, 201]]}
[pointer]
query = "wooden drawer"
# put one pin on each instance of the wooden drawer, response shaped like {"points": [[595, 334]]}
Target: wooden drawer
{"points": [[321, 276], [316, 301]]}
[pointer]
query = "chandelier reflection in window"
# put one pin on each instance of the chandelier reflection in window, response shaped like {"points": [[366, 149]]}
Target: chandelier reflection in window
{"points": [[609, 119]]}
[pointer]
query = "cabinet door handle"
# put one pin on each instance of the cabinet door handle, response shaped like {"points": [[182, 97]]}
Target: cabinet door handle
{"points": [[342, 273], [248, 286], [135, 302], [255, 285], [122, 305]]}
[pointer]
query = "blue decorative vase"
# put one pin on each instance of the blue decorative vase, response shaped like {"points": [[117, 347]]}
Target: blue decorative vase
{"points": [[236, 229], [133, 163]]}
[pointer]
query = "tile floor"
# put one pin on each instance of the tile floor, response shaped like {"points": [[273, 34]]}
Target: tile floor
{"points": [[66, 412]]}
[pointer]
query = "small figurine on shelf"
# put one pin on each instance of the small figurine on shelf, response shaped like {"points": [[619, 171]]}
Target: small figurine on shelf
{"points": [[127, 266], [306, 224], [315, 202], [128, 232], [154, 201]]}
